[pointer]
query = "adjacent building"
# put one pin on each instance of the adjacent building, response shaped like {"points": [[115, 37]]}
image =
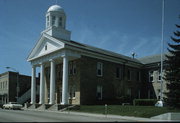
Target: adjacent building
{"points": [[14, 87], [76, 73]]}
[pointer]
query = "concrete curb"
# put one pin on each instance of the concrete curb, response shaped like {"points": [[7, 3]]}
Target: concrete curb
{"points": [[128, 118]]}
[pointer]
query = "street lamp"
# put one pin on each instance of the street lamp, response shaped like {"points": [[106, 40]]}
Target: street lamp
{"points": [[17, 82]]}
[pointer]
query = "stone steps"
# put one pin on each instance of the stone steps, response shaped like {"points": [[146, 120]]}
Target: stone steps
{"points": [[54, 107]]}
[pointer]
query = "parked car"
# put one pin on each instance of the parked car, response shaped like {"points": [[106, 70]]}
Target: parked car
{"points": [[12, 105]]}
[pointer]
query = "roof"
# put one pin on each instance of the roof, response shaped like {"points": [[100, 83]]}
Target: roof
{"points": [[151, 59], [145, 60], [99, 50], [55, 8]]}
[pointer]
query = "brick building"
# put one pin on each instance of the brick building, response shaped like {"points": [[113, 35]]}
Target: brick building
{"points": [[76, 73], [13, 86]]}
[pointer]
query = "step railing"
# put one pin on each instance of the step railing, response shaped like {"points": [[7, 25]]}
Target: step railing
{"points": [[27, 95]]}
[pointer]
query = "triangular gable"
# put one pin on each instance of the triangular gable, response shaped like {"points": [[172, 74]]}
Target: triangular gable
{"points": [[45, 45]]}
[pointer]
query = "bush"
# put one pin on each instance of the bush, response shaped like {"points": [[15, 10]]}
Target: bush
{"points": [[145, 102]]}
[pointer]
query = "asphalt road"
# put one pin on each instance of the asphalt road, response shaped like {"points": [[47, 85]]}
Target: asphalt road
{"points": [[43, 116]]}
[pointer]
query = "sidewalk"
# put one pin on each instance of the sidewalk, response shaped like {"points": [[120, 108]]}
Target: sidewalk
{"points": [[128, 118]]}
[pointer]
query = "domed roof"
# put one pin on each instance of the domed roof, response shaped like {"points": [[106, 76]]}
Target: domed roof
{"points": [[55, 8]]}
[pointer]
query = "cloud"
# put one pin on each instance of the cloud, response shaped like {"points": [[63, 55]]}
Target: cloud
{"points": [[116, 41]]}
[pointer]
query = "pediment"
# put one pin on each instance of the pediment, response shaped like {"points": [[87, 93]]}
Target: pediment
{"points": [[45, 45]]}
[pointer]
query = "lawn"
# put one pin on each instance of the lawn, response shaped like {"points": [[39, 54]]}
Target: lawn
{"points": [[137, 111]]}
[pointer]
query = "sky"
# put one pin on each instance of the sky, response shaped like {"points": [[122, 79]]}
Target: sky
{"points": [[121, 26]]}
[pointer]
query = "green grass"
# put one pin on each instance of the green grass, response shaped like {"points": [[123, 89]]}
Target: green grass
{"points": [[137, 111]]}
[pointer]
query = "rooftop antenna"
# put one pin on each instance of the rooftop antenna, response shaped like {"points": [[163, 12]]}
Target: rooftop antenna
{"points": [[133, 54]]}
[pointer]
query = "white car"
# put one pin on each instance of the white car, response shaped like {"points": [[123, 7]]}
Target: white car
{"points": [[12, 105]]}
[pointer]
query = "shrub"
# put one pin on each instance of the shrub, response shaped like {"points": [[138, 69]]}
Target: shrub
{"points": [[145, 102]]}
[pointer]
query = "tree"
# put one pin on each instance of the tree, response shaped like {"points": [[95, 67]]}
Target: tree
{"points": [[173, 71]]}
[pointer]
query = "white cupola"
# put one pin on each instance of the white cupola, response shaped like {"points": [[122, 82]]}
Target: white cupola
{"points": [[56, 23], [55, 16]]}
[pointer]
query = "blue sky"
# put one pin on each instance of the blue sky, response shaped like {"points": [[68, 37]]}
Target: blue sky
{"points": [[121, 26]]}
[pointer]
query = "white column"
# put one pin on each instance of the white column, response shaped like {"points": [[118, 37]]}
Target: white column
{"points": [[42, 85], [33, 85], [65, 81], [52, 82]]}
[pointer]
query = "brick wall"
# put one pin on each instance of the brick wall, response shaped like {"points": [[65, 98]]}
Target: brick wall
{"points": [[113, 87]]}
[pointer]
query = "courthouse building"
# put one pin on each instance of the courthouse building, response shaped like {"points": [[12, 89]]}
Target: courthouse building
{"points": [[76, 73]]}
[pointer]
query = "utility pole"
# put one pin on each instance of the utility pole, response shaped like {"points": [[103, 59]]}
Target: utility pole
{"points": [[162, 49]]}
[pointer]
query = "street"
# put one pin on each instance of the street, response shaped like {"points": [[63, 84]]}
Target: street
{"points": [[44, 116]]}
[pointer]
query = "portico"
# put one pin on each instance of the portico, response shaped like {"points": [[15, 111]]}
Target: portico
{"points": [[51, 61]]}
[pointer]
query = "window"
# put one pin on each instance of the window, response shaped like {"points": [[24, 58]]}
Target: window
{"points": [[99, 69], [129, 92], [159, 93], [45, 47], [53, 20], [139, 94], [5, 85], [47, 21], [99, 92], [150, 94], [150, 76], [159, 76], [60, 21], [118, 72], [129, 75], [138, 76], [48, 73], [72, 68], [72, 93]]}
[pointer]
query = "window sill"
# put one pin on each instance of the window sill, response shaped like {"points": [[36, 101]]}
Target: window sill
{"points": [[73, 98], [151, 81]]}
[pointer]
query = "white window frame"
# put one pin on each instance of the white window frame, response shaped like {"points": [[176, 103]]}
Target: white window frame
{"points": [[151, 74], [99, 68], [48, 21]]}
